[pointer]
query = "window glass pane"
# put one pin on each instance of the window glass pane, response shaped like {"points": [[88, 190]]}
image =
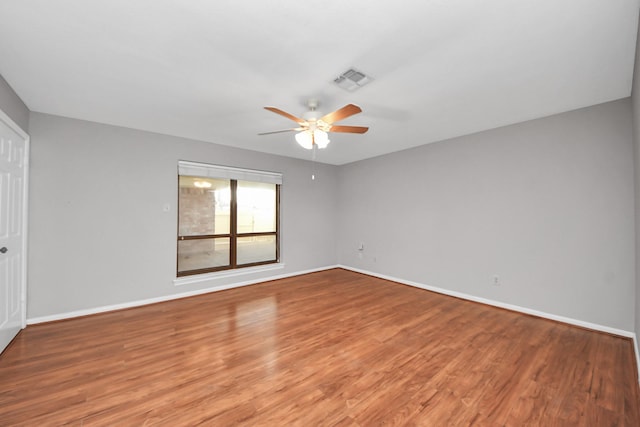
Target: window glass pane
{"points": [[256, 207], [203, 253], [256, 249], [205, 206]]}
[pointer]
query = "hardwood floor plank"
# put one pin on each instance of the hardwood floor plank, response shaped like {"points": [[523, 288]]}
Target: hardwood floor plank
{"points": [[333, 348]]}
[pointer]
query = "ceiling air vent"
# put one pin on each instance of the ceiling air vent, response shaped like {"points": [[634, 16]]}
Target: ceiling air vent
{"points": [[352, 79]]}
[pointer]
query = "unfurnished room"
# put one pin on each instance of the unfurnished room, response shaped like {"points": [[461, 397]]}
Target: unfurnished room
{"points": [[290, 213]]}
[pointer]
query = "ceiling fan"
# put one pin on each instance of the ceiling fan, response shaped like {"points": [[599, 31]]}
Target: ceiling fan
{"points": [[314, 126]]}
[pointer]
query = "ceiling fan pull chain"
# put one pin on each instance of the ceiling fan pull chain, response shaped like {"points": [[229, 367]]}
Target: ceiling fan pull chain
{"points": [[313, 162]]}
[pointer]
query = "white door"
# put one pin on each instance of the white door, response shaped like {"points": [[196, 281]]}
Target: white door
{"points": [[13, 200]]}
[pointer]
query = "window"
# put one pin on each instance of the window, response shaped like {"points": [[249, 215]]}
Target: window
{"points": [[227, 218]]}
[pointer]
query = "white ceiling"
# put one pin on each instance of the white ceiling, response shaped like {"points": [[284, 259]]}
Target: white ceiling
{"points": [[204, 69]]}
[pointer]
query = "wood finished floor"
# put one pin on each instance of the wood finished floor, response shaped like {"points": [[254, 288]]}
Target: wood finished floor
{"points": [[332, 348]]}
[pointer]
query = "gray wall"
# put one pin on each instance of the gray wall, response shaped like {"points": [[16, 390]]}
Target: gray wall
{"points": [[547, 205], [13, 106], [98, 234], [635, 98]]}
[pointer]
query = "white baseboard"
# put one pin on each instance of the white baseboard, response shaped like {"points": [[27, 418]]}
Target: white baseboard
{"points": [[635, 350], [575, 322], [139, 303]]}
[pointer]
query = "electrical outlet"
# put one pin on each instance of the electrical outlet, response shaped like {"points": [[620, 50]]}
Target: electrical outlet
{"points": [[496, 280]]}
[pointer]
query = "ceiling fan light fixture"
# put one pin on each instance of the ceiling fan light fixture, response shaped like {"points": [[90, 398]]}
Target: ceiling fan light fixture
{"points": [[305, 140], [321, 138]]}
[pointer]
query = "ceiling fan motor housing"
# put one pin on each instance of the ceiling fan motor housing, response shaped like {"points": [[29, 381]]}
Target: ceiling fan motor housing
{"points": [[312, 115]]}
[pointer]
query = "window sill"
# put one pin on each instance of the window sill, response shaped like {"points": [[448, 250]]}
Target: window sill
{"points": [[197, 278]]}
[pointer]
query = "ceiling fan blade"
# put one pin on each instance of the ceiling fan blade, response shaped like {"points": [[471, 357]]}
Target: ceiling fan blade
{"points": [[282, 131], [342, 113], [285, 114], [349, 129]]}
